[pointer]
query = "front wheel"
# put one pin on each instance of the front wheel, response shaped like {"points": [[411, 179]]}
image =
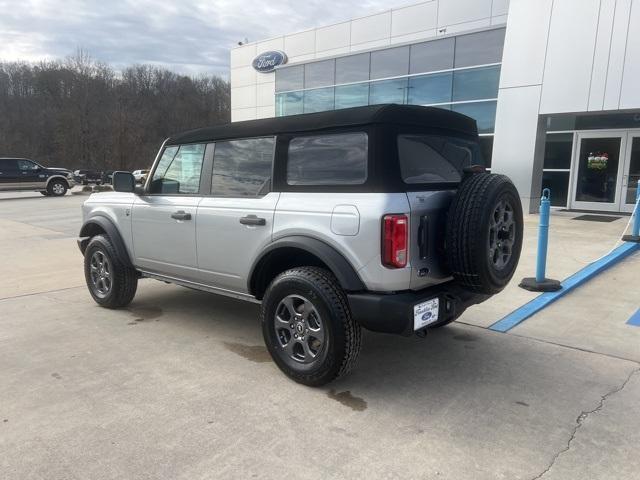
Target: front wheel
{"points": [[308, 328], [57, 188], [111, 282]]}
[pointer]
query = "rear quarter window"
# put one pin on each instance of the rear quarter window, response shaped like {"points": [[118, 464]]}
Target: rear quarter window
{"points": [[331, 159], [434, 158]]}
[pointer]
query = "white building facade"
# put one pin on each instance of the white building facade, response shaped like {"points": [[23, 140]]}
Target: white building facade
{"points": [[554, 85]]}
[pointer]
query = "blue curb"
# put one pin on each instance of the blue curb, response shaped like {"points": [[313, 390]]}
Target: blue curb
{"points": [[582, 276], [635, 319]]}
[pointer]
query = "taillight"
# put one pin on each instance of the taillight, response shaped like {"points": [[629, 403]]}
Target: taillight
{"points": [[394, 240]]}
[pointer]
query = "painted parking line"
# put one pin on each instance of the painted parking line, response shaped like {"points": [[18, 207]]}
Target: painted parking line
{"points": [[635, 319], [582, 276]]}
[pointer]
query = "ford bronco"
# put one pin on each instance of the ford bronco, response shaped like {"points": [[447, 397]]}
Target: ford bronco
{"points": [[382, 217]]}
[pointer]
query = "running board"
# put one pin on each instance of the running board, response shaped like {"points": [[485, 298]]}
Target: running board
{"points": [[200, 286]]}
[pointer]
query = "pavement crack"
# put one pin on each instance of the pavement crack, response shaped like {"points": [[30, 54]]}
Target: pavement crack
{"points": [[580, 420]]}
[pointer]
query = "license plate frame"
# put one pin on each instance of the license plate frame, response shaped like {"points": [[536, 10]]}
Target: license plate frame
{"points": [[426, 313]]}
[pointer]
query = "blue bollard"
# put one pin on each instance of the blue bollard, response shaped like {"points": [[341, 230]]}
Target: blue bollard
{"points": [[540, 283], [543, 235], [635, 230]]}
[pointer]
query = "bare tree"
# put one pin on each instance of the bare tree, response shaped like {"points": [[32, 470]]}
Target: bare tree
{"points": [[78, 113]]}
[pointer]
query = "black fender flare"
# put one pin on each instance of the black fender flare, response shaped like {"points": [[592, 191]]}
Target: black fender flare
{"points": [[339, 266], [105, 224]]}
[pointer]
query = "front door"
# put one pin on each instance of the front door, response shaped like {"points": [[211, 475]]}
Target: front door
{"points": [[164, 218], [630, 173], [597, 170], [30, 175]]}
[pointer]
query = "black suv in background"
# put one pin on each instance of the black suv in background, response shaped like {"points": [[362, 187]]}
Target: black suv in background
{"points": [[85, 177], [23, 174]]}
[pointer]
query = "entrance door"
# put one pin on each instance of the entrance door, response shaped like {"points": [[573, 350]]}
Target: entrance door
{"points": [[630, 173], [597, 170]]}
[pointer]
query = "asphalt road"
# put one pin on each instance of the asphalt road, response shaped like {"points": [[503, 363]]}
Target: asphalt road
{"points": [[180, 386]]}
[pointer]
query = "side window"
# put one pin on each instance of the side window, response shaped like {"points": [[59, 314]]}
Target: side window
{"points": [[242, 168], [8, 164], [335, 159], [179, 170], [26, 165], [430, 158]]}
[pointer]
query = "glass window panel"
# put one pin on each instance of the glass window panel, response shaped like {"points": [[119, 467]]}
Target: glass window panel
{"points": [[288, 103], [319, 74], [318, 100], [391, 62], [242, 168], [479, 48], [431, 158], [484, 114], [476, 83], [633, 172], [486, 147], [179, 172], [598, 169], [354, 95], [561, 122], [558, 183], [328, 159], [354, 68], [290, 78], [426, 89], [557, 150], [432, 56], [388, 91]]}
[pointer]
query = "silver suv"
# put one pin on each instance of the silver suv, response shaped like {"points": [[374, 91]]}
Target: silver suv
{"points": [[380, 217]]}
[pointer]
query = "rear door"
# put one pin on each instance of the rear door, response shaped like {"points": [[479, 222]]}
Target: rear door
{"points": [[9, 174], [431, 167], [235, 222], [164, 218]]}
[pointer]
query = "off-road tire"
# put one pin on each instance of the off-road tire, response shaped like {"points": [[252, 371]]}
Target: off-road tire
{"points": [[124, 279], [341, 332], [51, 188], [470, 232]]}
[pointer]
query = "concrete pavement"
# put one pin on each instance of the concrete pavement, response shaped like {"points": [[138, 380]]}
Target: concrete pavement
{"points": [[180, 386]]}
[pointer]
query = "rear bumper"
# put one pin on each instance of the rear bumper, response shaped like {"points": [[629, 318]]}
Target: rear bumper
{"points": [[393, 312]]}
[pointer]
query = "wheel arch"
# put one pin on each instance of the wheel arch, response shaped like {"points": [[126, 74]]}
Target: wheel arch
{"points": [[297, 251], [99, 225], [57, 177]]}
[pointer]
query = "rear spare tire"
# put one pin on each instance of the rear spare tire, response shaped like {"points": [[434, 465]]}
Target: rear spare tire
{"points": [[484, 233]]}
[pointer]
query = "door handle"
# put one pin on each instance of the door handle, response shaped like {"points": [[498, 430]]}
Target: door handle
{"points": [[181, 215], [253, 220]]}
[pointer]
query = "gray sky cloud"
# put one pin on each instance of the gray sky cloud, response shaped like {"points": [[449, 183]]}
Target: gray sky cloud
{"points": [[190, 36]]}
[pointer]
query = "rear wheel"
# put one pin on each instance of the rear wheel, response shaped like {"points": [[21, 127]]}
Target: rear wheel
{"points": [[307, 326], [484, 233], [57, 188], [111, 282]]}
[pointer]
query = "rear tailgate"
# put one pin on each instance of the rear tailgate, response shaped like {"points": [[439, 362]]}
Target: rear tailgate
{"points": [[426, 237]]}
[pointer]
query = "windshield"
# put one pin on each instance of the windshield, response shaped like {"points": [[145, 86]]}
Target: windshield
{"points": [[434, 158]]}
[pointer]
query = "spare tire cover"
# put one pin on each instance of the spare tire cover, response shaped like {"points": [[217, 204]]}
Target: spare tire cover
{"points": [[484, 233]]}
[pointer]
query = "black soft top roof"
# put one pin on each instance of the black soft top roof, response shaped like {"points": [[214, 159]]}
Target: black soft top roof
{"points": [[428, 117]]}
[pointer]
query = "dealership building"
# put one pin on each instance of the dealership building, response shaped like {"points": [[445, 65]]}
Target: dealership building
{"points": [[554, 85]]}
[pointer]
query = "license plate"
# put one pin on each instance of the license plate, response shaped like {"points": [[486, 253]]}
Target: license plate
{"points": [[425, 313]]}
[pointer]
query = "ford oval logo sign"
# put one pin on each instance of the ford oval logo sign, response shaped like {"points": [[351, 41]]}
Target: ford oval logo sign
{"points": [[267, 62]]}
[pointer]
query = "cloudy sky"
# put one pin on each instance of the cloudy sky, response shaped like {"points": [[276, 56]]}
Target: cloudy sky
{"points": [[190, 36]]}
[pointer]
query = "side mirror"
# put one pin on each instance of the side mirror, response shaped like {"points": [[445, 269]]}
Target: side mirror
{"points": [[124, 182]]}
